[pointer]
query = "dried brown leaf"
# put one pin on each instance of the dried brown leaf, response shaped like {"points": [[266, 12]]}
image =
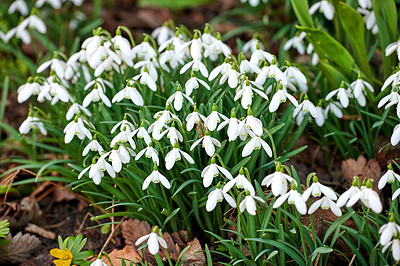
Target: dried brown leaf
{"points": [[361, 168], [128, 253], [19, 249], [194, 254]]}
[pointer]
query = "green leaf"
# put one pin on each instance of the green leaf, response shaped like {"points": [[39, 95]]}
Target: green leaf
{"points": [[320, 250], [353, 25], [332, 73], [171, 216], [300, 8], [328, 48]]}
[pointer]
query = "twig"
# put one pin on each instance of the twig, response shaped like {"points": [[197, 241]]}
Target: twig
{"points": [[111, 235], [84, 221], [352, 259]]}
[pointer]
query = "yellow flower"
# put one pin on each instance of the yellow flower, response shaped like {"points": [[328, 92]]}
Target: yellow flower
{"points": [[64, 256]]}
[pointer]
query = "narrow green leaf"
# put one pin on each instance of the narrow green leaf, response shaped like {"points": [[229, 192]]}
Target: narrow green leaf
{"points": [[300, 8]]}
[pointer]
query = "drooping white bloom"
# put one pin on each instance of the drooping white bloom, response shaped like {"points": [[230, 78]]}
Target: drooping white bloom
{"points": [[271, 71], [123, 48], [221, 69], [216, 196], [196, 47], [172, 57], [196, 65], [95, 172], [392, 99], [145, 79], [259, 55], [246, 93], [396, 194], [278, 181], [162, 33], [178, 97], [32, 122], [305, 107], [247, 67], [296, 78], [124, 136], [193, 83], [296, 42], [20, 6], [209, 143], [175, 155], [280, 97], [251, 45], [124, 124], [369, 19], [233, 126], [172, 134], [353, 190], [325, 203], [77, 128], [144, 51], [94, 145], [360, 86], [162, 117], [341, 95], [216, 48], [120, 155], [389, 176], [389, 230], [393, 79], [335, 108], [25, 91], [365, 3], [75, 109], [141, 133], [395, 139], [232, 76], [129, 92], [254, 3], [98, 262], [150, 66], [320, 119], [102, 58], [367, 196], [249, 204], [56, 90], [56, 65], [156, 177], [324, 7], [395, 248], [96, 95], [213, 170], [292, 197], [253, 123], [214, 118], [394, 46], [317, 190], [194, 118], [241, 182], [153, 241], [256, 143], [314, 55]]}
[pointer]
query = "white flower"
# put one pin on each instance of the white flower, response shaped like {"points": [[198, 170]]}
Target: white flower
{"points": [[98, 262], [124, 136], [19, 5], [334, 107], [306, 107], [324, 7], [389, 230], [217, 47], [396, 194], [251, 45], [271, 71], [325, 203], [145, 79], [359, 87], [76, 128], [172, 57], [254, 2], [395, 248], [144, 50], [367, 196], [141, 133], [394, 46], [175, 155], [96, 95], [54, 3], [296, 42], [247, 67], [221, 69], [25, 91], [193, 83], [208, 143], [124, 124], [58, 91], [102, 58], [153, 241], [353, 190], [241, 182], [341, 95], [393, 79], [396, 135], [149, 66], [365, 3], [233, 126], [194, 118], [314, 55], [292, 197], [216, 196], [129, 92], [249, 204], [172, 134], [213, 170], [94, 172], [196, 47], [389, 176], [196, 65], [320, 119], [317, 190], [178, 97], [94, 145], [163, 33], [214, 118], [278, 181], [120, 155], [246, 93], [253, 123], [156, 177], [280, 97], [369, 19], [32, 122], [259, 55], [75, 109], [56, 65], [256, 143], [393, 98], [296, 77]]}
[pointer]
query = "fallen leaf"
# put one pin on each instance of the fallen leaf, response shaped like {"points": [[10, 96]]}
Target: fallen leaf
{"points": [[19, 249], [63, 195], [128, 253], [193, 255], [361, 168]]}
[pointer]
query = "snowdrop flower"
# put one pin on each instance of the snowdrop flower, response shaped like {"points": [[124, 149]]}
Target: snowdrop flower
{"points": [[196, 65], [365, 3], [124, 124], [144, 50], [98, 262], [209, 143], [396, 194], [271, 71], [325, 203], [317, 190], [99, 54], [246, 93], [256, 143], [76, 128], [241, 182], [280, 97], [54, 3], [314, 55], [129, 92], [296, 78], [389, 176], [20, 6], [178, 97], [392, 99], [353, 190], [247, 67], [218, 195], [171, 57], [253, 3], [94, 145], [153, 241], [251, 45], [232, 76], [233, 126], [163, 33], [145, 79], [94, 171], [141, 133], [259, 55], [123, 48], [175, 155], [214, 118], [395, 248], [253, 123], [163, 117], [249, 203], [176, 42], [296, 42], [277, 180], [359, 86], [341, 95], [75, 109], [172, 134], [99, 82], [216, 48], [96, 95], [56, 65], [369, 19], [120, 155], [213, 170], [335, 108], [123, 137], [25, 91], [394, 46], [196, 47], [193, 83], [393, 79], [156, 177], [367, 196], [58, 91], [305, 107], [389, 230], [320, 119], [292, 197], [244, 131], [221, 69], [395, 138], [91, 43], [149, 66], [32, 122], [207, 38], [194, 118], [324, 7]]}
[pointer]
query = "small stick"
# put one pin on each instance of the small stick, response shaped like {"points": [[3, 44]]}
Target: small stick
{"points": [[111, 235]]}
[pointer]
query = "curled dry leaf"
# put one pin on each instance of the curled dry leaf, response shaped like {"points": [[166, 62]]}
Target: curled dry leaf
{"points": [[361, 168], [20, 214], [19, 249], [128, 253], [193, 255]]}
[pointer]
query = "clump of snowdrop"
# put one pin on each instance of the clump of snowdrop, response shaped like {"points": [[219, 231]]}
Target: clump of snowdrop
{"points": [[368, 197]]}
